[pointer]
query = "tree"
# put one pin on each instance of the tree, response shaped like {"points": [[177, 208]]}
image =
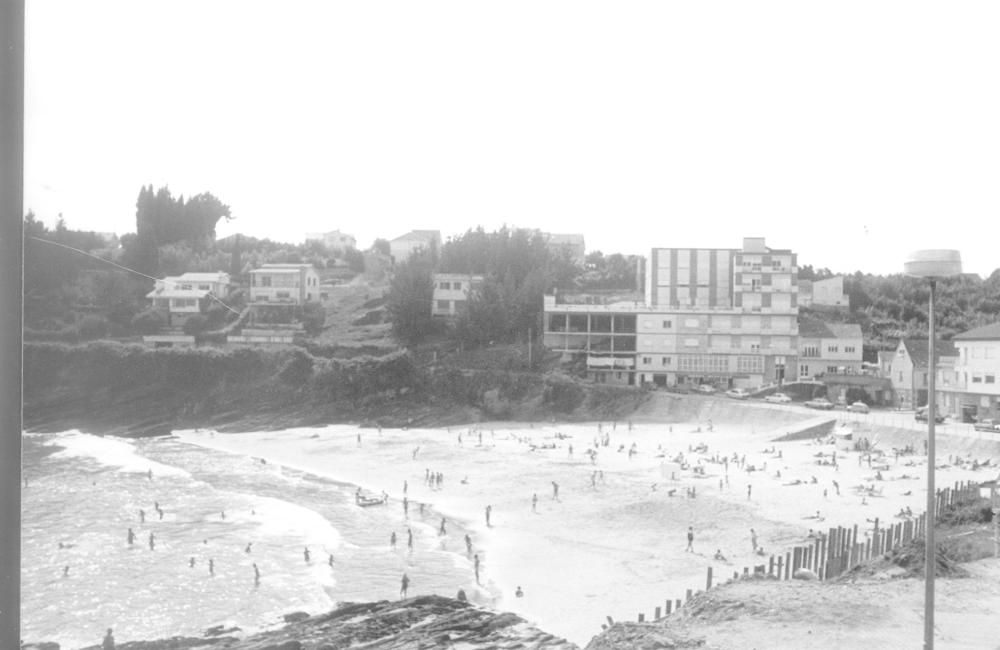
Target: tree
{"points": [[355, 260], [408, 303], [382, 246]]}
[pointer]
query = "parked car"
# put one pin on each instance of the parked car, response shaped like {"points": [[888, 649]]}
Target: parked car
{"points": [[738, 393], [858, 407], [820, 403], [921, 415], [708, 389], [987, 424], [778, 398]]}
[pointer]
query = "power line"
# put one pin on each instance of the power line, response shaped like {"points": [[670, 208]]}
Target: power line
{"points": [[124, 268]]}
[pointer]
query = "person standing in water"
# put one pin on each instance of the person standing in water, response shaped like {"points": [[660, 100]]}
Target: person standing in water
{"points": [[211, 567], [489, 510], [475, 558], [468, 543], [152, 542], [404, 585], [131, 537], [392, 539], [690, 546], [256, 574], [109, 641], [409, 539], [442, 530]]}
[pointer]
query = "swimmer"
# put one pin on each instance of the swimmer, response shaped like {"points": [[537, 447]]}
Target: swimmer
{"points": [[519, 593]]}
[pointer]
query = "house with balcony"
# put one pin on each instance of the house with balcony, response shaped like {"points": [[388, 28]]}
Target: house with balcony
{"points": [[829, 348], [294, 284], [968, 386], [451, 293], [721, 316], [180, 297], [402, 248], [909, 370]]}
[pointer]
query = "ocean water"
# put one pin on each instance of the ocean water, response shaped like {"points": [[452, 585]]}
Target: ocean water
{"points": [[79, 575]]}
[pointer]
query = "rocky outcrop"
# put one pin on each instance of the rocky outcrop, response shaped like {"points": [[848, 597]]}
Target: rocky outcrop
{"points": [[421, 622]]}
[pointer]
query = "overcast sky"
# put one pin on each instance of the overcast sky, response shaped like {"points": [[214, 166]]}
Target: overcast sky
{"points": [[850, 132]]}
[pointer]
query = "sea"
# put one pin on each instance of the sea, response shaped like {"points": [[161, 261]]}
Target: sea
{"points": [[81, 576]]}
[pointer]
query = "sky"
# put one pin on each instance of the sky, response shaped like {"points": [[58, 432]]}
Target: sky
{"points": [[850, 132]]}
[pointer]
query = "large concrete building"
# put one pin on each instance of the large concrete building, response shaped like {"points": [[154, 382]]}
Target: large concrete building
{"points": [[720, 316], [970, 389]]}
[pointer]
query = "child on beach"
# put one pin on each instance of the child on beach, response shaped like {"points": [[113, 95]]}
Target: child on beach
{"points": [[690, 535]]}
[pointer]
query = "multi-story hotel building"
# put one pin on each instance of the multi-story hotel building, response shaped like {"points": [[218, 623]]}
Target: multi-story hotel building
{"points": [[720, 316]]}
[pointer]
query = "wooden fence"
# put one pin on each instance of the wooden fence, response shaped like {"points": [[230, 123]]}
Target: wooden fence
{"points": [[836, 552]]}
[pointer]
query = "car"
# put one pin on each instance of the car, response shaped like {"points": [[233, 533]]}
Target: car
{"points": [[858, 407], [921, 415], [738, 393], [778, 398], [987, 424], [820, 403], [708, 389]]}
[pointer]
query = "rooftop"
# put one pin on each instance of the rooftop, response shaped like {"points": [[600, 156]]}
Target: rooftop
{"points": [[420, 235], [917, 349], [989, 332]]}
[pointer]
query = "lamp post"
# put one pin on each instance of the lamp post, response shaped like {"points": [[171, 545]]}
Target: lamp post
{"points": [[931, 264]]}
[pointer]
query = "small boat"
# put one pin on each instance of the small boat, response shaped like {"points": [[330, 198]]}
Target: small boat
{"points": [[365, 502]]}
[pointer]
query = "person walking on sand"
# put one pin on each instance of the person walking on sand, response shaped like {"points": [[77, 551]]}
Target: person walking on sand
{"points": [[749, 489], [534, 502], [442, 530], [305, 554], [404, 584], [406, 507], [211, 567], [753, 539], [690, 546], [142, 516], [489, 510], [131, 537], [109, 641], [475, 558], [392, 539], [152, 542], [555, 490], [405, 487], [256, 574], [409, 539], [191, 562], [247, 549]]}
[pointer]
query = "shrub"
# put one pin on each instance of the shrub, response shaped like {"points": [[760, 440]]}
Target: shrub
{"points": [[195, 325], [148, 322], [93, 327]]}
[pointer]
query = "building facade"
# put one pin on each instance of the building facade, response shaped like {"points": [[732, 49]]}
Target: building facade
{"points": [[451, 293], [969, 387], [334, 240], [829, 349], [571, 245], [180, 297], [403, 247], [720, 316], [909, 370], [284, 283]]}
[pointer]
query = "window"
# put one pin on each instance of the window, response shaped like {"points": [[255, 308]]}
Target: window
{"points": [[285, 294], [775, 264], [765, 322], [847, 348], [754, 347], [265, 281], [187, 287], [688, 322], [618, 375], [754, 284], [830, 369], [810, 351], [645, 360], [803, 370], [666, 361], [829, 348], [977, 379], [990, 379], [750, 364], [446, 286], [208, 287], [443, 305], [688, 343], [666, 324]]}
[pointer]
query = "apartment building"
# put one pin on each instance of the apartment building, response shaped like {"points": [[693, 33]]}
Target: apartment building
{"points": [[970, 388], [720, 316]]}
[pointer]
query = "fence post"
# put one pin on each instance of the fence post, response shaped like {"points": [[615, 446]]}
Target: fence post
{"points": [[780, 567], [770, 566], [687, 596], [642, 617], [657, 617], [708, 579], [677, 604], [670, 606], [788, 565]]}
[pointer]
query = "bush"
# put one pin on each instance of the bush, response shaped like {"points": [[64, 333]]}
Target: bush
{"points": [[148, 322], [195, 325], [93, 327], [855, 394], [313, 318]]}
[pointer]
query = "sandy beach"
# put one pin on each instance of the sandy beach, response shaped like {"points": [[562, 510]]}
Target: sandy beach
{"points": [[613, 543]]}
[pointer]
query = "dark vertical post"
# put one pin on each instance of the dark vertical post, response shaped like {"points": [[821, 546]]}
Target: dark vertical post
{"points": [[708, 579], [929, 559]]}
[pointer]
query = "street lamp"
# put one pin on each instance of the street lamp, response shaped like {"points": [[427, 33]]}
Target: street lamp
{"points": [[931, 264]]}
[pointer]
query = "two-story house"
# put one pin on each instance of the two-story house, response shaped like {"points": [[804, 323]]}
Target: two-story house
{"points": [[334, 240], [180, 297], [909, 370], [451, 293], [284, 283], [829, 348], [969, 388]]}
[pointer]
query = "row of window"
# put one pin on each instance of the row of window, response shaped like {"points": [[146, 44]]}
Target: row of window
{"points": [[733, 322], [710, 363], [449, 286]]}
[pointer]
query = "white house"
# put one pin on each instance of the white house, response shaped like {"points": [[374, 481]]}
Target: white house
{"points": [[403, 247], [334, 240], [284, 283], [829, 348], [451, 293], [970, 389], [182, 296]]}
